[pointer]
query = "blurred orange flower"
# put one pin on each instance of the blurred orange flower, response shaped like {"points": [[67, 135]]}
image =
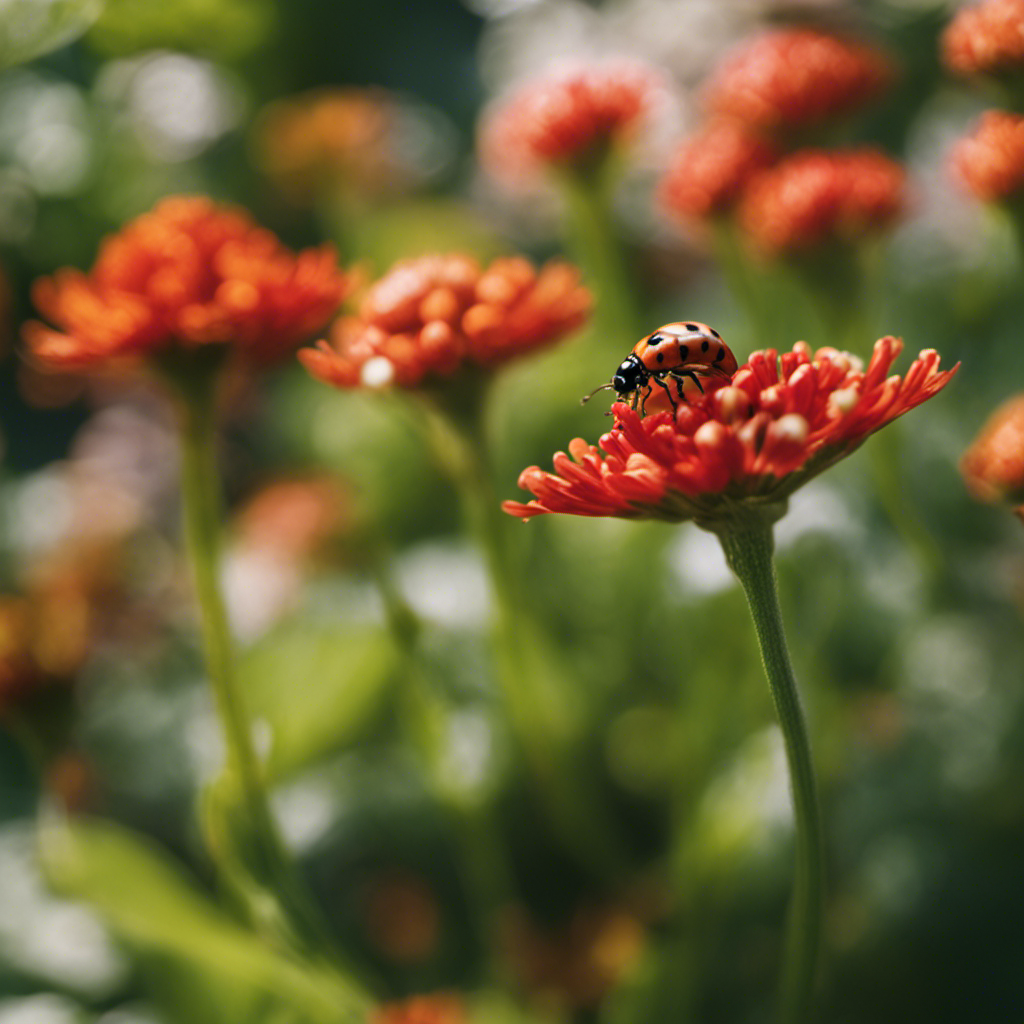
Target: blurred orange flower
{"points": [[709, 170], [433, 1009], [432, 315], [816, 197], [567, 120], [792, 79], [752, 442], [993, 466], [990, 161], [189, 273], [985, 39]]}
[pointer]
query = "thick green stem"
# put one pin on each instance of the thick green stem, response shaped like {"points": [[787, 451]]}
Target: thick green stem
{"points": [[748, 550]]}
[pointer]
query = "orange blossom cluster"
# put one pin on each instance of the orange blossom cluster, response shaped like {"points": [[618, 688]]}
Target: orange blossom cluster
{"points": [[986, 39], [993, 466]]}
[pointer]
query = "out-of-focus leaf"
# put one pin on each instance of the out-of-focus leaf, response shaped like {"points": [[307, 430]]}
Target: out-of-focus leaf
{"points": [[31, 27], [316, 688], [151, 907]]}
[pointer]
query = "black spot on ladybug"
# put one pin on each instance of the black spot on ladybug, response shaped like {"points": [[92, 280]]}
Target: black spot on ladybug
{"points": [[721, 355], [655, 339], [705, 345], [715, 333], [661, 357], [684, 353], [691, 327]]}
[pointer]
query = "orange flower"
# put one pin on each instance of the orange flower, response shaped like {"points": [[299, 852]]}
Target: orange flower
{"points": [[432, 1009], [567, 120], [187, 274], [792, 79], [742, 445], [710, 169], [332, 137], [993, 466], [816, 197], [985, 39], [990, 161], [430, 316]]}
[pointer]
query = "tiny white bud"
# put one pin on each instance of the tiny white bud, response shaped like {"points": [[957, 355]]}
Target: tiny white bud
{"points": [[791, 427], [377, 372], [844, 400]]}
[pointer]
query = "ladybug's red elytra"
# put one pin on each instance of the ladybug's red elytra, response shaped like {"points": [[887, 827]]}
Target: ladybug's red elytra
{"points": [[676, 351]]}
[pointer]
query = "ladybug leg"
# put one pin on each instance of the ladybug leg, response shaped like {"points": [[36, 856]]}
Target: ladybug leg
{"points": [[667, 390], [680, 375]]}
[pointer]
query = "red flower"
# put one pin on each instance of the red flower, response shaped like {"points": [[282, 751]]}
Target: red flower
{"points": [[433, 1009], [187, 274], [709, 170], [990, 162], [993, 467], [797, 78], [431, 315], [751, 443], [567, 120], [986, 39], [816, 197]]}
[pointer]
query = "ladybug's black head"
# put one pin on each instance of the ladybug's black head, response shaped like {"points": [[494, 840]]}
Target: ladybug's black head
{"points": [[630, 376]]}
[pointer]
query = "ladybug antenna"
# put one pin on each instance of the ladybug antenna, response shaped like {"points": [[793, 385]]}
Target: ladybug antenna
{"points": [[603, 387]]}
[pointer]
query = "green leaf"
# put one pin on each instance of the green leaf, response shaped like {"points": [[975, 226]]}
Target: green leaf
{"points": [[316, 687], [149, 904], [29, 28]]}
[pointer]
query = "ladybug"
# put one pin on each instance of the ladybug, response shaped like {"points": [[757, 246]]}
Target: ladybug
{"points": [[674, 352]]}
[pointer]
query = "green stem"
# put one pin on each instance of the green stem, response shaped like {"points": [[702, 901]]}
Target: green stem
{"points": [[748, 550], [275, 897]]}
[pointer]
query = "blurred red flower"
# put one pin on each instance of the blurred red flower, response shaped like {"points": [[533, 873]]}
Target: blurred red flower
{"points": [[189, 273], [993, 466], [433, 1009], [797, 78], [570, 119], [985, 39], [432, 315], [990, 161], [710, 169], [748, 443], [816, 197]]}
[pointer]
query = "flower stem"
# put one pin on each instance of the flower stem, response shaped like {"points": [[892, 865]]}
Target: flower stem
{"points": [[748, 550]]}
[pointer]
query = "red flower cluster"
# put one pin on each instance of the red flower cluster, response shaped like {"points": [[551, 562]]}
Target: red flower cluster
{"points": [[792, 79], [747, 443], [993, 467], [816, 197], [986, 39], [433, 1009], [990, 161], [189, 273], [431, 315], [567, 120], [709, 170]]}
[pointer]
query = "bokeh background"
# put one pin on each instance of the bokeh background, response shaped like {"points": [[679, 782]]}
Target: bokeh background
{"points": [[913, 669]]}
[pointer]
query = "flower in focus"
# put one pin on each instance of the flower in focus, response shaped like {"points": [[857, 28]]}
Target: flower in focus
{"points": [[793, 79], [990, 161], [986, 39], [432, 315], [816, 197], [190, 273], [432, 1009], [340, 139], [709, 170], [569, 120], [993, 466], [744, 444]]}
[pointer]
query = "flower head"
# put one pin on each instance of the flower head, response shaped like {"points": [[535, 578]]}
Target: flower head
{"points": [[189, 273], [794, 79], [817, 197], [432, 1009], [567, 120], [430, 316], [990, 161], [993, 466], [986, 39], [742, 445], [709, 170]]}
